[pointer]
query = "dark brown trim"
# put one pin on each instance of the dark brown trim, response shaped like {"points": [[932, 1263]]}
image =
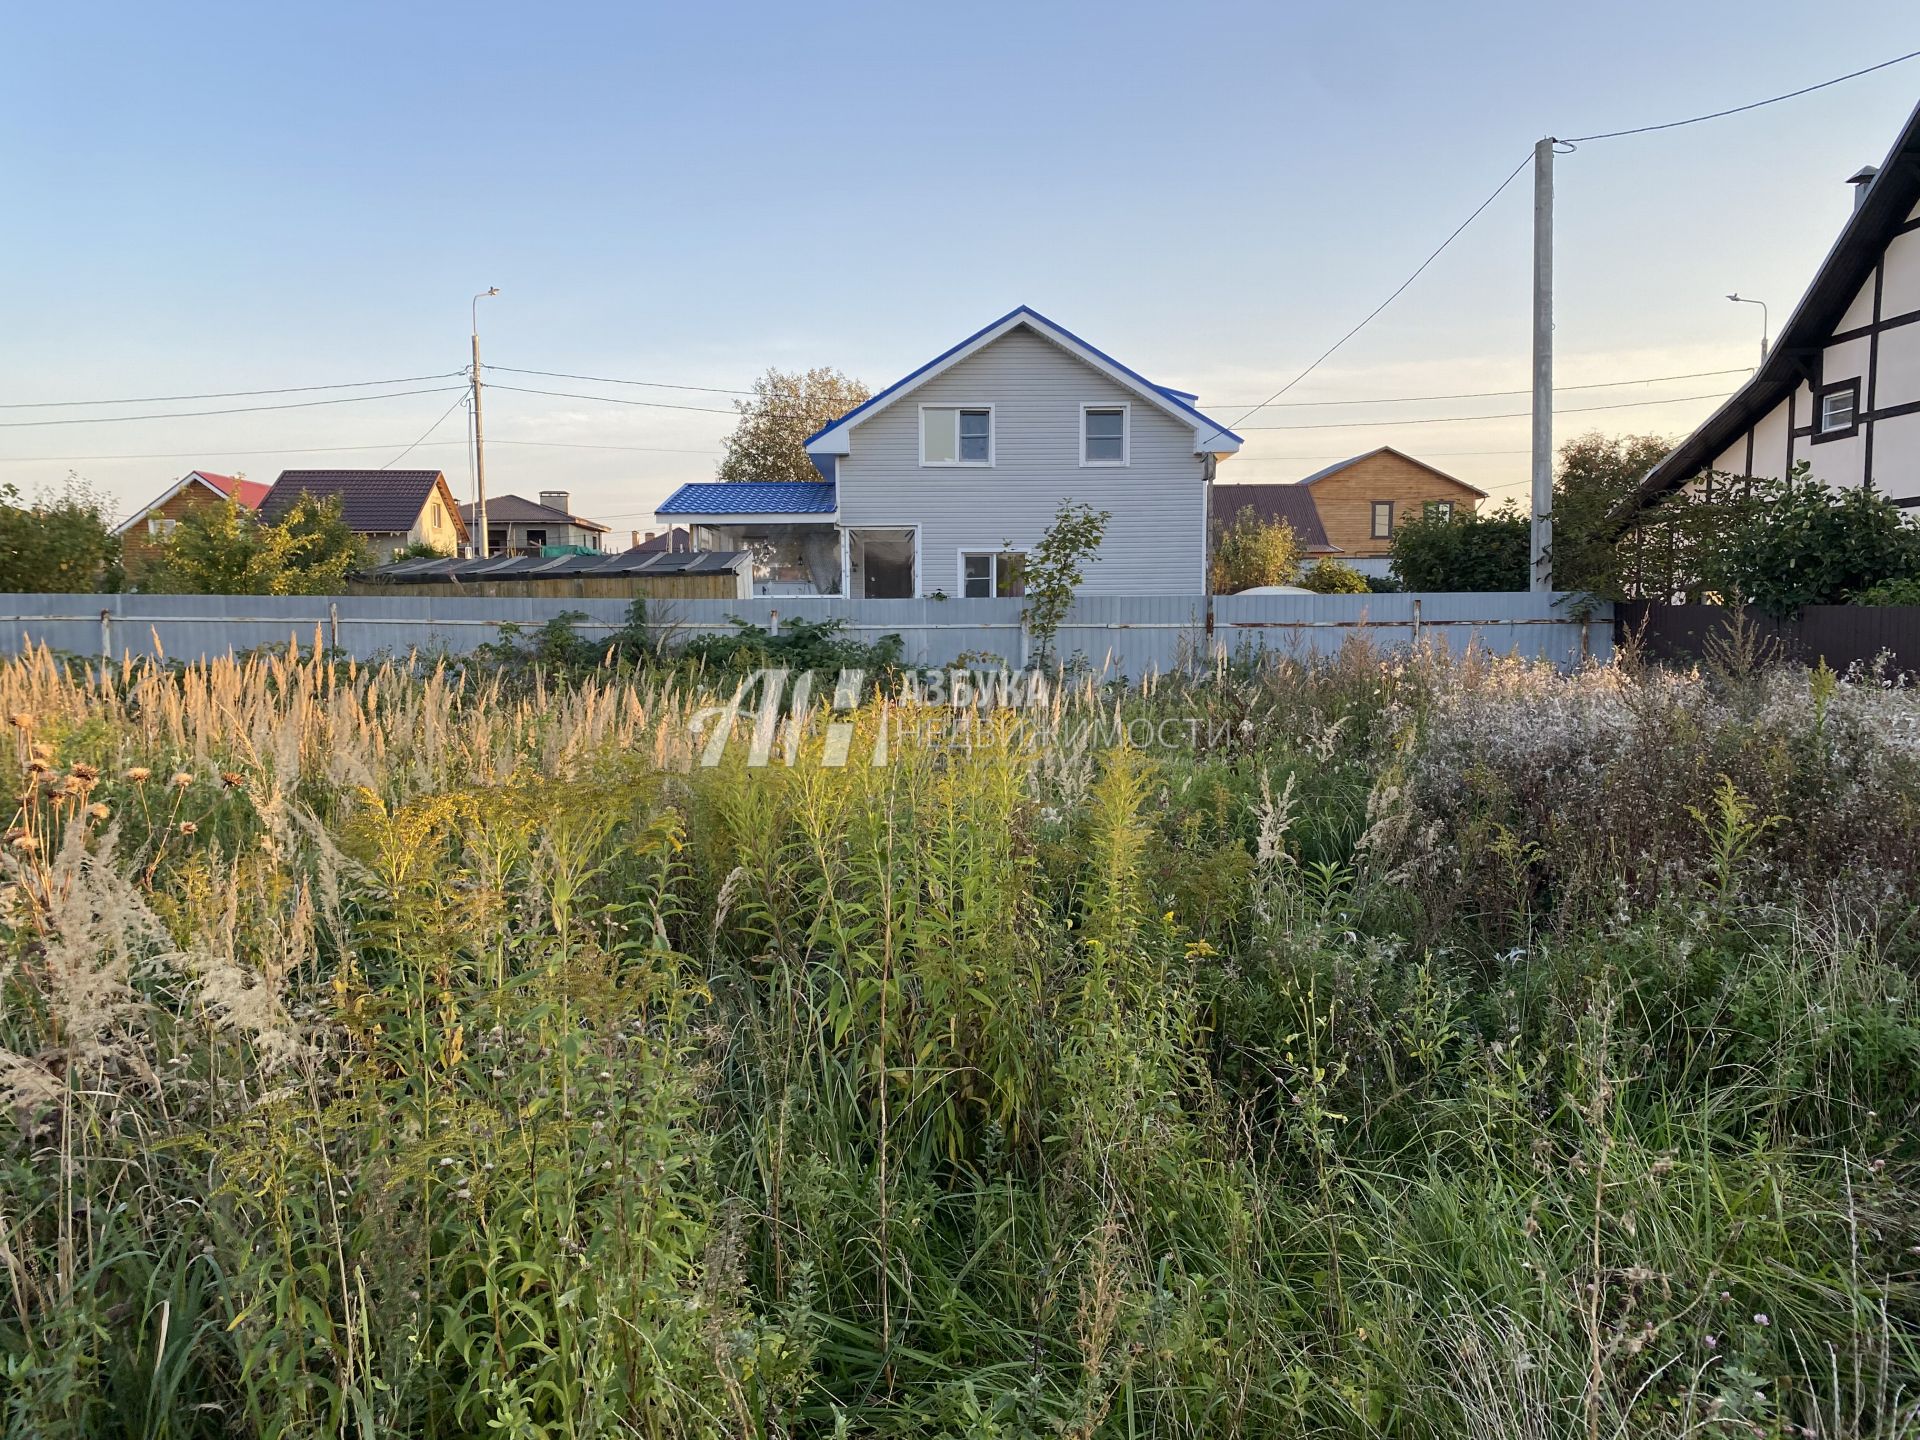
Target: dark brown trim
{"points": [[1873, 372], [1750, 450], [1893, 412], [1793, 397], [1873, 327], [1850, 387], [1913, 224]]}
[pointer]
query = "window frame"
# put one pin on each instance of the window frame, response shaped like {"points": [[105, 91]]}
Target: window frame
{"points": [[1821, 434], [1374, 531], [1125, 407], [995, 555], [993, 438], [1439, 509]]}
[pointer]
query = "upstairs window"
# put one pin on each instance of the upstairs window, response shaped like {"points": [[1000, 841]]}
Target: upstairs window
{"points": [[989, 575], [1439, 509], [956, 435], [1103, 434], [1383, 519], [1838, 411]]}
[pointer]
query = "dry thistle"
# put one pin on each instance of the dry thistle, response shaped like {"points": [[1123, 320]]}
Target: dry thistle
{"points": [[37, 766], [98, 812], [187, 827], [181, 780], [232, 779], [21, 840], [139, 774], [20, 720], [88, 773]]}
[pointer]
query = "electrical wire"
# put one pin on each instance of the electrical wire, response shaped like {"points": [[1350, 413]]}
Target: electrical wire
{"points": [[234, 410], [222, 394], [1500, 415], [613, 400], [606, 380], [1398, 291], [429, 431], [1495, 394], [336, 449], [1742, 109]]}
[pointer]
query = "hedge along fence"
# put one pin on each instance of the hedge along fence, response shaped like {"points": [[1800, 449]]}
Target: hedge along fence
{"points": [[1130, 635], [1840, 635]]}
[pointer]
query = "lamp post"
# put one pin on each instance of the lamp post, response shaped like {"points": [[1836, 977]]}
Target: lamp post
{"points": [[1764, 324], [479, 441]]}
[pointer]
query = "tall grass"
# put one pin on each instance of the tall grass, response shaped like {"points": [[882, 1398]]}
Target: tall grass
{"points": [[1430, 1048]]}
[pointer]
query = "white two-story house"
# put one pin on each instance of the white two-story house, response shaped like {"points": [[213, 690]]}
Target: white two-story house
{"points": [[942, 482], [1840, 389]]}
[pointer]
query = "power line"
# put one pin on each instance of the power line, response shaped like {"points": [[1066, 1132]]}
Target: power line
{"points": [[1398, 291], [613, 400], [605, 380], [458, 402], [581, 445], [1741, 109], [235, 410], [1500, 415], [334, 450], [223, 394], [1496, 394]]}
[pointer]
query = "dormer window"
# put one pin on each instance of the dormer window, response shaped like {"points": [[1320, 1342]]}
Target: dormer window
{"points": [[956, 435], [1837, 412]]}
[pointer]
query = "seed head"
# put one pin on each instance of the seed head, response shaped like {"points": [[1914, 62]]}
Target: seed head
{"points": [[187, 827], [98, 812], [37, 766], [181, 780], [24, 842], [20, 720], [139, 774], [232, 779], [88, 773]]}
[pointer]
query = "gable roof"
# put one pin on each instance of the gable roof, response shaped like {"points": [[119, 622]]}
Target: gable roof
{"points": [[751, 497], [372, 502], [1208, 434], [1291, 505], [518, 510], [1889, 198], [1339, 465], [229, 487], [674, 540]]}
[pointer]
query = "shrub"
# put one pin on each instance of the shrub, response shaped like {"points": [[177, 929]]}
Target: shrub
{"points": [[1334, 577], [1796, 542], [1253, 551], [1466, 551], [60, 541]]}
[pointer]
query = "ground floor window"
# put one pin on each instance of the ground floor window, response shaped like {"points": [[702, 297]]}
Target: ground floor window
{"points": [[986, 574], [880, 564]]}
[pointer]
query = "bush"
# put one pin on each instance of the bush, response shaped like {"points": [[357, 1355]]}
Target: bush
{"points": [[1468, 551], [1252, 551], [1796, 542], [61, 541], [1334, 577]]}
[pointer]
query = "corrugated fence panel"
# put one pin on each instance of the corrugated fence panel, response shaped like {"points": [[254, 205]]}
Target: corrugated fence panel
{"points": [[1129, 635]]}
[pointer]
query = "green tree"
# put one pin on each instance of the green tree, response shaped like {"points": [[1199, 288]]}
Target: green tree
{"points": [[768, 440], [226, 549], [1057, 566], [1334, 577], [1464, 551], [1597, 473], [1797, 542], [1254, 551], [60, 541]]}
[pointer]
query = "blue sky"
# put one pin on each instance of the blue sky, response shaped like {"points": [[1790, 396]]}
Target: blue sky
{"points": [[226, 197]]}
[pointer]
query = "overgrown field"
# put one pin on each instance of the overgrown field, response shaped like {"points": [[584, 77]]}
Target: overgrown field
{"points": [[1428, 1049]]}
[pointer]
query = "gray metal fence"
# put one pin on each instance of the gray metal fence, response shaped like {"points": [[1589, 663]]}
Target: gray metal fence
{"points": [[1123, 634]]}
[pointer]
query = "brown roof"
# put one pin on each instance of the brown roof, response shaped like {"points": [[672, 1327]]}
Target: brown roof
{"points": [[372, 502], [517, 510], [1292, 505]]}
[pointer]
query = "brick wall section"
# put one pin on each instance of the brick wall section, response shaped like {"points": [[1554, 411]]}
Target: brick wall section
{"points": [[1345, 499]]}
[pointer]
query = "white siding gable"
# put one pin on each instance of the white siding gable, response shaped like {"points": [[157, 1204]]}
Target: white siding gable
{"points": [[1155, 542]]}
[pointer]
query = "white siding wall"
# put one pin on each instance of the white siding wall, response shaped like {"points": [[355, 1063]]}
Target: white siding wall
{"points": [[1154, 543]]}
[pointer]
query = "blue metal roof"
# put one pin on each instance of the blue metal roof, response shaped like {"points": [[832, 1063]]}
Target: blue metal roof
{"points": [[751, 497], [1180, 399]]}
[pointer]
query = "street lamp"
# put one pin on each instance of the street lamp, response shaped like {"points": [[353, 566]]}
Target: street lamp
{"points": [[1742, 300], [479, 440]]}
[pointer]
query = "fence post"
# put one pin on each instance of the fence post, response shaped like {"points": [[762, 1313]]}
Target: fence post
{"points": [[106, 635], [1416, 622], [333, 624], [773, 622]]}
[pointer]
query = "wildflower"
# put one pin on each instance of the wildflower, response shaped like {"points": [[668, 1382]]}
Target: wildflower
{"points": [[232, 779], [1761, 1319], [37, 766], [181, 780], [187, 827], [98, 812], [1713, 1342], [139, 774]]}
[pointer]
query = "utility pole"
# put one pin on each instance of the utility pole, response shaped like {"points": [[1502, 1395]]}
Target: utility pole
{"points": [[479, 438], [1542, 568]]}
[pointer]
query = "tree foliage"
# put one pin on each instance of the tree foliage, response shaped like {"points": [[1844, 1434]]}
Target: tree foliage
{"points": [[1253, 551], [1057, 566], [227, 549], [1597, 472], [768, 440], [1797, 542], [1334, 577], [60, 541], [1465, 551]]}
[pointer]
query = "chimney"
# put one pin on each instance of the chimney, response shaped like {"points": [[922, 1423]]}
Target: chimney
{"points": [[1862, 182], [557, 500]]}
